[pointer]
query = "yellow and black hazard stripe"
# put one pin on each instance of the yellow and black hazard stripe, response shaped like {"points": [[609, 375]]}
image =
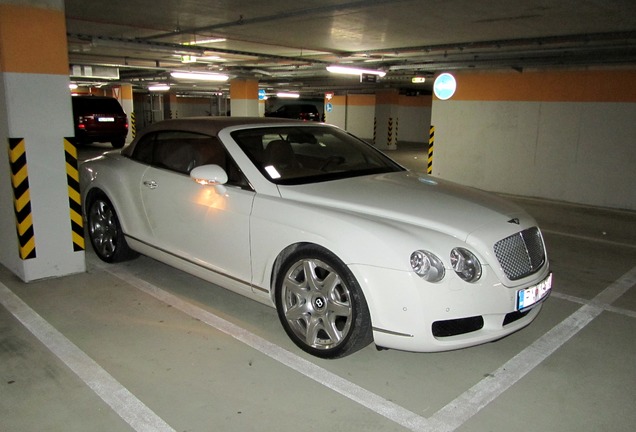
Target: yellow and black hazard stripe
{"points": [[133, 125], [21, 198], [431, 145], [74, 199]]}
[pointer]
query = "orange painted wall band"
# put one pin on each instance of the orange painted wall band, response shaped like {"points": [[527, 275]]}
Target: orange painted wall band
{"points": [[416, 101], [548, 86], [32, 40], [388, 97], [361, 100], [126, 92], [244, 89], [339, 100]]}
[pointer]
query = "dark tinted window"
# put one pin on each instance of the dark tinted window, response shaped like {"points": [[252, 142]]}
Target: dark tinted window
{"points": [[95, 105], [298, 155], [181, 151]]}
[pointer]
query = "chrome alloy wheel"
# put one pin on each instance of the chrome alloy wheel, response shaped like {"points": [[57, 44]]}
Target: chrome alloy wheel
{"points": [[317, 304], [103, 228]]}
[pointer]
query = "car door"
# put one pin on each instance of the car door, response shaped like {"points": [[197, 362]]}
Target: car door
{"points": [[204, 225]]}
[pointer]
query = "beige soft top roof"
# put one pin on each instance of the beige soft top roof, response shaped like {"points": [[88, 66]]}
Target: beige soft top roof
{"points": [[208, 125]]}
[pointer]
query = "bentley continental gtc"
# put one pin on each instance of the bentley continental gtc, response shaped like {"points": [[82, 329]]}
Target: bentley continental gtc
{"points": [[348, 246]]}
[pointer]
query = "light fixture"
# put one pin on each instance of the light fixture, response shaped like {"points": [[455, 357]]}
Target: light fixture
{"points": [[288, 95], [354, 71], [199, 76], [159, 87], [72, 86], [205, 41], [188, 59]]}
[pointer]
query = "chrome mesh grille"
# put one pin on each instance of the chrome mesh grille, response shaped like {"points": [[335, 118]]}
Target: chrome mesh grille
{"points": [[521, 254]]}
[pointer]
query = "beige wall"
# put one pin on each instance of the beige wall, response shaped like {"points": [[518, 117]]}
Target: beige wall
{"points": [[566, 135]]}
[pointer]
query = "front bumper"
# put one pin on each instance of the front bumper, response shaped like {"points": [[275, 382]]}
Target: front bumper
{"points": [[410, 314]]}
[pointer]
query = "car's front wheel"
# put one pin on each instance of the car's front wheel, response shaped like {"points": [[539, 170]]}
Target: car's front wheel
{"points": [[320, 304], [105, 233]]}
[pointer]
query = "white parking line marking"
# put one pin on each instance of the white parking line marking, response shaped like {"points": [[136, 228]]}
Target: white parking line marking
{"points": [[588, 238], [124, 403], [375, 403], [457, 412]]}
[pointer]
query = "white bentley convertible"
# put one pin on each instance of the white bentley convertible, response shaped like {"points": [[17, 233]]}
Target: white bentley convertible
{"points": [[347, 245]]}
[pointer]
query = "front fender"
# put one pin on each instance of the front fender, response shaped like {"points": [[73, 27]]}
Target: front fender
{"points": [[355, 239]]}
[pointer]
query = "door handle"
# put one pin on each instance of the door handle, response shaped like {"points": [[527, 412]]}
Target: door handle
{"points": [[151, 184]]}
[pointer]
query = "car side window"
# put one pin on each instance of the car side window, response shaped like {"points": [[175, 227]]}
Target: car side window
{"points": [[181, 151]]}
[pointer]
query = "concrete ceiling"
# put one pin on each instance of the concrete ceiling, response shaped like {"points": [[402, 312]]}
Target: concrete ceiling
{"points": [[287, 45]]}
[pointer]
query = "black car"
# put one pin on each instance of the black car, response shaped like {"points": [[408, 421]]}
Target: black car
{"points": [[296, 111], [99, 119]]}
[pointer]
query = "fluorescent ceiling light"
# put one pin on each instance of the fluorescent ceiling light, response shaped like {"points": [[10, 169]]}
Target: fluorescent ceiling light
{"points": [[72, 86], [354, 71], [199, 76], [288, 95], [159, 87], [211, 58], [188, 59], [205, 41]]}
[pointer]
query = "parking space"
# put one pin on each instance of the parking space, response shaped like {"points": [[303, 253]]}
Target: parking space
{"points": [[531, 101], [158, 349]]}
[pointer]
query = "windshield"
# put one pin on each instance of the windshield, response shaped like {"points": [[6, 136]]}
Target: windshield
{"points": [[300, 155]]}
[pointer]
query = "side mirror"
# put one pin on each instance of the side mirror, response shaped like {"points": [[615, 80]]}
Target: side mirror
{"points": [[209, 175]]}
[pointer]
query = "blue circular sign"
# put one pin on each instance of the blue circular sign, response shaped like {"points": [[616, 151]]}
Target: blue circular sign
{"points": [[444, 86], [328, 107]]}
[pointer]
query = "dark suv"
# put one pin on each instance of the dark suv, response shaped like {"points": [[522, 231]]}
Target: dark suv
{"points": [[296, 111], [99, 119]]}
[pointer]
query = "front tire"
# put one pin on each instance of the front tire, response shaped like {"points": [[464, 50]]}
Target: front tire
{"points": [[321, 305], [105, 233]]}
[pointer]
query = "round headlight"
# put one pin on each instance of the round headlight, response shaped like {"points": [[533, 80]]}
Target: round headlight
{"points": [[427, 266], [465, 264]]}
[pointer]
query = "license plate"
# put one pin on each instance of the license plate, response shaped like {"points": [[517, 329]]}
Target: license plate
{"points": [[106, 119], [534, 294]]}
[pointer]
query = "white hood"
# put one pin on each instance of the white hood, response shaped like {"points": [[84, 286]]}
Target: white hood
{"points": [[412, 198]]}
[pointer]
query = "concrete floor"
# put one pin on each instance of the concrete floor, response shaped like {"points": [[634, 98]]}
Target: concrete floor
{"points": [[141, 346]]}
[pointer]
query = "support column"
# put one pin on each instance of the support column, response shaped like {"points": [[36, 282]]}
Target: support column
{"points": [[244, 98], [41, 232], [387, 105], [171, 107], [124, 94]]}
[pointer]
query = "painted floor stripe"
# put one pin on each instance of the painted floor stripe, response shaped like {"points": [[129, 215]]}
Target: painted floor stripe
{"points": [[375, 403], [590, 239], [447, 419], [124, 403], [472, 401]]}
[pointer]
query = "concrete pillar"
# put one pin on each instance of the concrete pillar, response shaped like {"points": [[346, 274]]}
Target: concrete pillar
{"points": [[387, 107], [244, 98], [124, 94], [171, 107], [41, 231]]}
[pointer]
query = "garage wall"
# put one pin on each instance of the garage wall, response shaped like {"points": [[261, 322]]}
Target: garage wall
{"points": [[568, 135], [415, 118], [356, 114], [360, 113]]}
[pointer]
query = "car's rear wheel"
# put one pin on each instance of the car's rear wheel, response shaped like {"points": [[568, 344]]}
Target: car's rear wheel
{"points": [[320, 304], [118, 142], [105, 233]]}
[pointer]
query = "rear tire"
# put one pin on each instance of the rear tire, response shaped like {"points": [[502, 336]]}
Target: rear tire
{"points": [[321, 305], [105, 233], [118, 143]]}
